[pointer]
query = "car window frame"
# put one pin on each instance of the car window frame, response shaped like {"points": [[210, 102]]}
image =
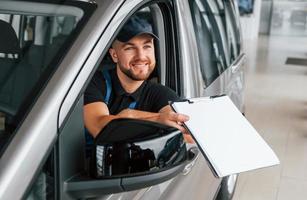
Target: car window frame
{"points": [[27, 104], [236, 26], [167, 59], [219, 29]]}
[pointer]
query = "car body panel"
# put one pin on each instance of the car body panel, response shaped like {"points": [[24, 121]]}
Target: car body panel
{"points": [[192, 83], [230, 81], [185, 187], [38, 133]]}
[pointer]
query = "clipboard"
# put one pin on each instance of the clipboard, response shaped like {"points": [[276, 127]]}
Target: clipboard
{"points": [[229, 143]]}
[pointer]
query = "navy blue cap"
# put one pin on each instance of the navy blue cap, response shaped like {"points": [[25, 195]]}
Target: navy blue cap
{"points": [[133, 27]]}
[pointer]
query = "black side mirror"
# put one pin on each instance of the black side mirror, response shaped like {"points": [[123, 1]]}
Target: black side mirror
{"points": [[128, 147], [130, 154]]}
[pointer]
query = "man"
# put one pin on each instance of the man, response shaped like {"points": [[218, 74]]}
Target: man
{"points": [[124, 92]]}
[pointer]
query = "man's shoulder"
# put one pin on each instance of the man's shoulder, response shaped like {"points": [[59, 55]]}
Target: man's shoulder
{"points": [[98, 75], [158, 88], [158, 96], [154, 85], [98, 79], [97, 82]]}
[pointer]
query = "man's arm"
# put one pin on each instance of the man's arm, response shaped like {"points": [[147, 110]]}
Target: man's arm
{"points": [[97, 116], [166, 116]]}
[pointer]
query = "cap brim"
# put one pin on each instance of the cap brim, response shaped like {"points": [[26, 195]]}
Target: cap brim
{"points": [[129, 37]]}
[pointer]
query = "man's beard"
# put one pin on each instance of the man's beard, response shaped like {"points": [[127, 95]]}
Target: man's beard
{"points": [[136, 77]]}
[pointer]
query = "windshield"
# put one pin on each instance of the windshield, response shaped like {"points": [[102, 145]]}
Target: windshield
{"points": [[34, 38]]}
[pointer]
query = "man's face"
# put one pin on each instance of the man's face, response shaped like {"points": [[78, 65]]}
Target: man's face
{"points": [[135, 58]]}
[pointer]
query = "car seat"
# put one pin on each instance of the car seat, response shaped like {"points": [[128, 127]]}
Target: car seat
{"points": [[19, 74], [9, 56], [9, 43]]}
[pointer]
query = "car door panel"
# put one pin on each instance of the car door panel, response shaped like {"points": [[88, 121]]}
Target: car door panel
{"points": [[148, 193], [231, 80], [200, 177], [235, 73], [198, 184], [235, 82]]}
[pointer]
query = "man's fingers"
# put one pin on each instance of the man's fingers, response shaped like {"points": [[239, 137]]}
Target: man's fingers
{"points": [[181, 128], [180, 117], [188, 138], [176, 125], [185, 131]]}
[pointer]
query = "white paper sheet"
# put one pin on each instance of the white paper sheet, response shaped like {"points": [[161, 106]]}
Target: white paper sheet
{"points": [[227, 139]]}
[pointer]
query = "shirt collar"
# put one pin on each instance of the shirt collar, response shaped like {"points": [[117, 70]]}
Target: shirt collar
{"points": [[120, 91]]}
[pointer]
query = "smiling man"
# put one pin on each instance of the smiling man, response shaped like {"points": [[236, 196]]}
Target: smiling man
{"points": [[124, 92]]}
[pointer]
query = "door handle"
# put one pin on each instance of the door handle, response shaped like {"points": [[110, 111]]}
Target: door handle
{"points": [[237, 63], [234, 68]]}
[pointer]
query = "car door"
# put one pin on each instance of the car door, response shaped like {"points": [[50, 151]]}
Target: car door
{"points": [[198, 178], [76, 95], [71, 121], [220, 56], [235, 81], [197, 174], [38, 160], [219, 48], [212, 53], [162, 14]]}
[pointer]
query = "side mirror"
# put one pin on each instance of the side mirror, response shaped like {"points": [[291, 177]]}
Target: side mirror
{"points": [[130, 154]]}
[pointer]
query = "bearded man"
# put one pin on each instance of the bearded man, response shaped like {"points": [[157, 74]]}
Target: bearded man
{"points": [[124, 92]]}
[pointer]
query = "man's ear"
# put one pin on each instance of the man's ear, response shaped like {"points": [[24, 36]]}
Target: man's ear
{"points": [[113, 55]]}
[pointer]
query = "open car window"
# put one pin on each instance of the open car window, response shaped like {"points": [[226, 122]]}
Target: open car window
{"points": [[32, 45]]}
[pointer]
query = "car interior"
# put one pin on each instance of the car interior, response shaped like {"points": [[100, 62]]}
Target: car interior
{"points": [[31, 46], [30, 50]]}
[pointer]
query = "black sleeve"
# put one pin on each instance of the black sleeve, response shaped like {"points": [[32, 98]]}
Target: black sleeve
{"points": [[95, 91], [160, 96]]}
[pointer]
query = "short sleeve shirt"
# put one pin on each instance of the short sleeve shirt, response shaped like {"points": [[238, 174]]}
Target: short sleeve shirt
{"points": [[150, 97]]}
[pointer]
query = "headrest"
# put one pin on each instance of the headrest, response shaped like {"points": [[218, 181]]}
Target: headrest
{"points": [[9, 43]]}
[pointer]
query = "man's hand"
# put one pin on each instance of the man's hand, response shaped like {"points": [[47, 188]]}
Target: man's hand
{"points": [[188, 138], [165, 116], [169, 117], [173, 119]]}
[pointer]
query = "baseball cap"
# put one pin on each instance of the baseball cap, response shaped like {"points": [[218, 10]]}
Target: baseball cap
{"points": [[133, 27]]}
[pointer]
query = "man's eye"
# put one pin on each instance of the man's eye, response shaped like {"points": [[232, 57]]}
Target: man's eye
{"points": [[147, 46], [128, 48]]}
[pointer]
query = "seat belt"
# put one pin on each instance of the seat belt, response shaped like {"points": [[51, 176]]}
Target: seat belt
{"points": [[107, 78], [108, 81]]}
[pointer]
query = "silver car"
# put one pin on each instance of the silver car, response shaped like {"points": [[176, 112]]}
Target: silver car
{"points": [[49, 51]]}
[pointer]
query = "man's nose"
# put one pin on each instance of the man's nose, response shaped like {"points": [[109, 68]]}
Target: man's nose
{"points": [[141, 54]]}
